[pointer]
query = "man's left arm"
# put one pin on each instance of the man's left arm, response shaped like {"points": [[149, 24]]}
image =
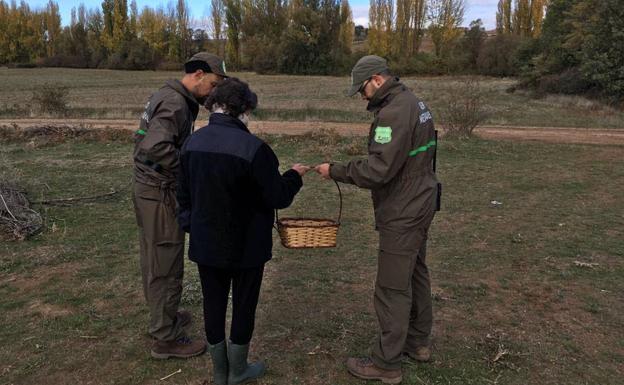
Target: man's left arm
{"points": [[388, 151]]}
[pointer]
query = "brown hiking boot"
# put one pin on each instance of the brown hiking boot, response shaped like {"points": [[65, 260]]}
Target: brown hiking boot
{"points": [[183, 347], [422, 354], [184, 317], [365, 369]]}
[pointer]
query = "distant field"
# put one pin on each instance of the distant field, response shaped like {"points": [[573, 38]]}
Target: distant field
{"points": [[122, 94]]}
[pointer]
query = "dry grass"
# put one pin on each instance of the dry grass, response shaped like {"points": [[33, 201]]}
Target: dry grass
{"points": [[512, 305], [122, 94]]}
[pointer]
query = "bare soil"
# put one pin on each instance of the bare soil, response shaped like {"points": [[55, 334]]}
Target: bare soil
{"points": [[571, 135]]}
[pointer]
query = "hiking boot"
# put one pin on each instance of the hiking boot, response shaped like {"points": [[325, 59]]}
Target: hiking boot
{"points": [[184, 317], [183, 347], [422, 354], [218, 353], [365, 369], [240, 371]]}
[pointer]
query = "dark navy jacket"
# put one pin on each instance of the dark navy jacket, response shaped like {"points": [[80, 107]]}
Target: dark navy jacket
{"points": [[228, 188]]}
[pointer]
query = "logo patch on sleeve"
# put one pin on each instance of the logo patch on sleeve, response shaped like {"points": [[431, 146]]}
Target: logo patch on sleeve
{"points": [[383, 135], [425, 116]]}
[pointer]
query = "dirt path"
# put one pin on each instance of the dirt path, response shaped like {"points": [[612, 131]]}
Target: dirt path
{"points": [[545, 134]]}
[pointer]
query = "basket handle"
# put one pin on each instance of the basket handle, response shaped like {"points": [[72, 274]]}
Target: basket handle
{"points": [[339, 210]]}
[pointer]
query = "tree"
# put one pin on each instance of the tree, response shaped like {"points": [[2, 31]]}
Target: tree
{"points": [[537, 16], [120, 24], [233, 18], [503, 17], [417, 24], [603, 48], [521, 23], [53, 27], [347, 27], [217, 10], [445, 17]]}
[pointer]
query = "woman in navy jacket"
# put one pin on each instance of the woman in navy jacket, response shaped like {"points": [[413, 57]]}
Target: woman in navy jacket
{"points": [[228, 190]]}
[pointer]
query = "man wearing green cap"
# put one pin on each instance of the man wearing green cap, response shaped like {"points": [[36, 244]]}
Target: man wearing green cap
{"points": [[399, 172], [167, 121]]}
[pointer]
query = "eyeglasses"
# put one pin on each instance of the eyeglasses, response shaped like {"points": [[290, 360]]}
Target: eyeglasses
{"points": [[361, 90]]}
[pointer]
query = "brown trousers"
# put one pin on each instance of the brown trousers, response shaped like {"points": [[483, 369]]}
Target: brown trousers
{"points": [[402, 297], [162, 258]]}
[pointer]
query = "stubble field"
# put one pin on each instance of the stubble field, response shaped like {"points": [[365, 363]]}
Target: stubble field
{"points": [[122, 95]]}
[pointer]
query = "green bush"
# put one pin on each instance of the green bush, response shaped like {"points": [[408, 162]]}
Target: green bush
{"points": [[499, 56]]}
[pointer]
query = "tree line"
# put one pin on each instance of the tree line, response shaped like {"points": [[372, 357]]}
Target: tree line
{"points": [[568, 46], [296, 36]]}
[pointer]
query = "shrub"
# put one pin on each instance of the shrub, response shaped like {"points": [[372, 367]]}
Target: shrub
{"points": [[498, 56], [52, 99], [464, 109]]}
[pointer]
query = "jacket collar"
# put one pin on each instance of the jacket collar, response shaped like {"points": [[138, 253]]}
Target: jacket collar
{"points": [[221, 119], [384, 94], [178, 87]]}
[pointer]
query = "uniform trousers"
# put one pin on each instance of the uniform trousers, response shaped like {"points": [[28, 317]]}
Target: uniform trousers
{"points": [[161, 244], [402, 298], [245, 284]]}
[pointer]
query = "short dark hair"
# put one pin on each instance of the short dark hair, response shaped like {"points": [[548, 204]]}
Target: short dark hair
{"points": [[386, 74], [234, 96], [192, 66]]}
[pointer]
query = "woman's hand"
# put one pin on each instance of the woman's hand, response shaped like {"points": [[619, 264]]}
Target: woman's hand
{"points": [[301, 169]]}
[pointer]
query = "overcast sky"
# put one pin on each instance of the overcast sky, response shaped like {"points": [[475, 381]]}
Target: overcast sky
{"points": [[475, 9]]}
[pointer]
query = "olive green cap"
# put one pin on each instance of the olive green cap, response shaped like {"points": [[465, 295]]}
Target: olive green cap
{"points": [[366, 67], [216, 64]]}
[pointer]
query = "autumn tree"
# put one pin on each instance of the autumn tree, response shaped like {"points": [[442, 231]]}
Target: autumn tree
{"points": [[504, 16], [217, 15], [233, 18], [445, 17], [347, 27]]}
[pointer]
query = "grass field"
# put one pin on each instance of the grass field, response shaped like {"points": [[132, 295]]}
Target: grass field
{"points": [[122, 94], [511, 303]]}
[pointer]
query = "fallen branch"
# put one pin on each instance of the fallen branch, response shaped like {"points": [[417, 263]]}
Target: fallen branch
{"points": [[590, 265], [77, 199], [171, 375]]}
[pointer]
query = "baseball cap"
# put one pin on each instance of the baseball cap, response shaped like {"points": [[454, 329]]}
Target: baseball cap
{"points": [[215, 63], [366, 67]]}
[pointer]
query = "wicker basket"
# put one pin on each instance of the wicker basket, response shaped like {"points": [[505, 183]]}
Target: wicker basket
{"points": [[301, 233]]}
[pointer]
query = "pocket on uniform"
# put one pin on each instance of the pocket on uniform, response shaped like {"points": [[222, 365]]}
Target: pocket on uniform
{"points": [[394, 271], [169, 255]]}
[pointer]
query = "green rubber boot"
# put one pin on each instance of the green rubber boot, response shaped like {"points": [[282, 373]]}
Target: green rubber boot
{"points": [[240, 370], [219, 356]]}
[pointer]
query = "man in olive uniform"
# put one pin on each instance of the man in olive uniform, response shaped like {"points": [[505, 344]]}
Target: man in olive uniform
{"points": [[168, 120], [399, 172]]}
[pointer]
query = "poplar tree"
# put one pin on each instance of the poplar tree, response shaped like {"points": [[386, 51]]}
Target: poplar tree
{"points": [[347, 27], [504, 16], [233, 18], [537, 16], [417, 23], [52, 27], [217, 10], [445, 18], [120, 24], [522, 18]]}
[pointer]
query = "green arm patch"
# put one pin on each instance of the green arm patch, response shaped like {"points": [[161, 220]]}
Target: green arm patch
{"points": [[140, 132], [383, 135], [422, 148]]}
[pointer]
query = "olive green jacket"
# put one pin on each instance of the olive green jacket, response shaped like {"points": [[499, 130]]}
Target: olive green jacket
{"points": [[167, 121], [398, 169]]}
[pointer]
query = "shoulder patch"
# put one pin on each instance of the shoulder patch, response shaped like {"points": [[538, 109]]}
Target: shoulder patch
{"points": [[422, 106], [425, 116], [383, 135]]}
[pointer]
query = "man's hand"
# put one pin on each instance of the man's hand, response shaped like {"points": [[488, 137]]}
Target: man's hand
{"points": [[301, 169], [323, 169]]}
